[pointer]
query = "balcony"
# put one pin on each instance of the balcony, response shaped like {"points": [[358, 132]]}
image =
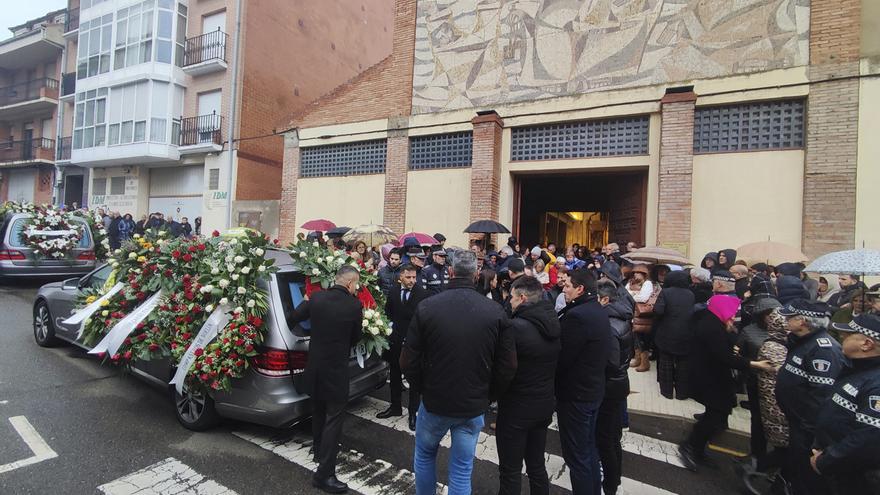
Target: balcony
{"points": [[68, 86], [205, 53], [27, 98], [71, 25], [202, 134], [27, 151], [62, 152]]}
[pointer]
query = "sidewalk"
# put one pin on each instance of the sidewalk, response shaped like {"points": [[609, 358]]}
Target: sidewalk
{"points": [[645, 398]]}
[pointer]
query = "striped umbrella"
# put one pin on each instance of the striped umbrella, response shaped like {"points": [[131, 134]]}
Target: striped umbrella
{"points": [[372, 235]]}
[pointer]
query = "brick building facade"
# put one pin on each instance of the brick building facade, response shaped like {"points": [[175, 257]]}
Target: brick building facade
{"points": [[736, 144]]}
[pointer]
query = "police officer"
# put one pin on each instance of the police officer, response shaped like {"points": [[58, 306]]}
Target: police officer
{"points": [[804, 383], [417, 259], [847, 444], [435, 278]]}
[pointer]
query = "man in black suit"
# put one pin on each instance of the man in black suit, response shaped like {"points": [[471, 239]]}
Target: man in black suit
{"points": [[336, 316], [403, 298]]}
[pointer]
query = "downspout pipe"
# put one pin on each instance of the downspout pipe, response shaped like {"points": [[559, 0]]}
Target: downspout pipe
{"points": [[233, 110], [59, 127]]}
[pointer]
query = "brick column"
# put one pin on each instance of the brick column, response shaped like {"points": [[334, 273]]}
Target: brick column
{"points": [[676, 169], [289, 176], [832, 127], [486, 169], [396, 167]]}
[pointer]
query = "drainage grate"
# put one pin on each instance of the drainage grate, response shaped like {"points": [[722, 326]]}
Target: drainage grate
{"points": [[750, 126], [359, 158], [582, 139], [451, 150]]}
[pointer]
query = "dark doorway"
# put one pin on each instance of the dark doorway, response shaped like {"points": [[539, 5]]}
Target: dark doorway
{"points": [[73, 190], [590, 209]]}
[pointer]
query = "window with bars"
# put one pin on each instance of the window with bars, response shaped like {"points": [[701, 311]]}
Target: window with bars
{"points": [[99, 187], [213, 179], [359, 158], [754, 126], [582, 139], [452, 150], [117, 185]]}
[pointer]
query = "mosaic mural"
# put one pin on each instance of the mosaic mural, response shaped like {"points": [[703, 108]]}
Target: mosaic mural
{"points": [[473, 53]]}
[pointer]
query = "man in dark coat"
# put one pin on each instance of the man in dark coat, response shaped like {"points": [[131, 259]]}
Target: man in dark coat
{"points": [[113, 231], [609, 421], [455, 349], [515, 269], [580, 379], [712, 383], [389, 273], [335, 328], [526, 407], [673, 334], [403, 299]]}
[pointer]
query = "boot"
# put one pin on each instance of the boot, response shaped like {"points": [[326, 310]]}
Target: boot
{"points": [[636, 361], [645, 363]]}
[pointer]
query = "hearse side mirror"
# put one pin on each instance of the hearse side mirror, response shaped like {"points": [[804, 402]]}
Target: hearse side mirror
{"points": [[70, 284]]}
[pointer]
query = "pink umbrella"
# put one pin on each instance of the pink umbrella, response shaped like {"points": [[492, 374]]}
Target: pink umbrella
{"points": [[319, 224], [419, 237]]}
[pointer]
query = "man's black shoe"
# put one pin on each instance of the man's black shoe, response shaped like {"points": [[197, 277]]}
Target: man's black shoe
{"points": [[391, 411], [330, 485], [412, 423], [686, 454]]}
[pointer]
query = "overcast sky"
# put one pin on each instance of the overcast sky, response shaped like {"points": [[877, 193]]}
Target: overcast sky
{"points": [[17, 12]]}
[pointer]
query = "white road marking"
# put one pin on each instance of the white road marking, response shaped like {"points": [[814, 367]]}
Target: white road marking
{"points": [[643, 445], [34, 441], [165, 477], [487, 449], [362, 474]]}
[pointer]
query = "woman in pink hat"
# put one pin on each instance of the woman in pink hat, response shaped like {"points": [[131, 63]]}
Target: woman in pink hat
{"points": [[713, 385]]}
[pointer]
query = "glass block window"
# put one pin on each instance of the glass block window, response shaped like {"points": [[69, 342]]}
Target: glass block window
{"points": [[582, 139], [764, 125], [451, 150], [358, 158]]}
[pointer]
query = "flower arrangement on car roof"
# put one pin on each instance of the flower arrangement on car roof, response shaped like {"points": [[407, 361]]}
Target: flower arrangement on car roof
{"points": [[196, 276], [51, 233], [320, 264]]}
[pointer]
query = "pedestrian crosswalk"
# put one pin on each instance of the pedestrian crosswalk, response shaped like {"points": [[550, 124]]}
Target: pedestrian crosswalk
{"points": [[382, 463]]}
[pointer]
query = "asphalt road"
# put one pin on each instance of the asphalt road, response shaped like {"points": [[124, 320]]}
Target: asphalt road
{"points": [[112, 433]]}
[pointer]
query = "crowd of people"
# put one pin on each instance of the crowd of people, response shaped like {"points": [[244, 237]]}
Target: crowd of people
{"points": [[121, 228], [540, 331]]}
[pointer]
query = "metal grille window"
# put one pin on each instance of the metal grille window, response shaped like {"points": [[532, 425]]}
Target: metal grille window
{"points": [[117, 185], [584, 139], [213, 179], [451, 150], [99, 187], [360, 158], [750, 126]]}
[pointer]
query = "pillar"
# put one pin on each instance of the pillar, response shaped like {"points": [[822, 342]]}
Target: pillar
{"points": [[486, 169], [676, 170], [289, 177], [396, 171]]}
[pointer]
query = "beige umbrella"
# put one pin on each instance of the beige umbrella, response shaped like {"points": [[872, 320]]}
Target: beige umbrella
{"points": [[658, 256], [373, 235], [772, 253]]}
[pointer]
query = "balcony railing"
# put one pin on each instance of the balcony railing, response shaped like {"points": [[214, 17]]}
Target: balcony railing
{"points": [[204, 129], [72, 22], [205, 47], [27, 150], [62, 153], [68, 84], [29, 90]]}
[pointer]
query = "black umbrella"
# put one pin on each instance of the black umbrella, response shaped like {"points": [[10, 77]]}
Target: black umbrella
{"points": [[337, 232], [486, 227]]}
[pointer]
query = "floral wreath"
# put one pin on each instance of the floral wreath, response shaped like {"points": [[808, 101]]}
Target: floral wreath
{"points": [[197, 276], [51, 233], [320, 264], [99, 233]]}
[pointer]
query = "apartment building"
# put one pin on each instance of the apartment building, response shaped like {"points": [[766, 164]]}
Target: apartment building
{"points": [[30, 68], [156, 90]]}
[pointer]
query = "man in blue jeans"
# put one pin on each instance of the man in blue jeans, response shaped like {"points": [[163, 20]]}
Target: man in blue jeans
{"points": [[455, 351], [580, 379]]}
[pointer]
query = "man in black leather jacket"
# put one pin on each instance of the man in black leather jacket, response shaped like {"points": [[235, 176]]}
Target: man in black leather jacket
{"points": [[609, 423]]}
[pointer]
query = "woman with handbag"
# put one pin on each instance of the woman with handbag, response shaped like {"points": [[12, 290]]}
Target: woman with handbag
{"points": [[645, 293]]}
